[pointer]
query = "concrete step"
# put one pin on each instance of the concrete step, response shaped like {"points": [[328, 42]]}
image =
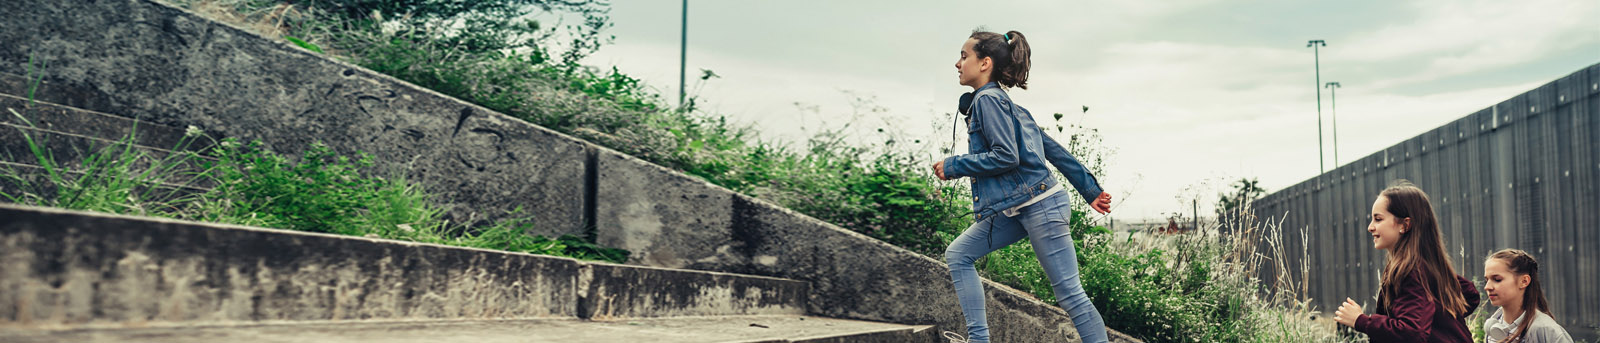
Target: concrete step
{"points": [[77, 121], [14, 175], [484, 164], [71, 134], [741, 329], [69, 269], [55, 91], [71, 152]]}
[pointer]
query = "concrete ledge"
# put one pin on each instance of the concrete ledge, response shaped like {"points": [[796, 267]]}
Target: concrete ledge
{"points": [[146, 60], [54, 117], [39, 184], [858, 277], [895, 335], [71, 152], [665, 218], [62, 268], [669, 219], [746, 329], [71, 269], [619, 291], [142, 59], [53, 92]]}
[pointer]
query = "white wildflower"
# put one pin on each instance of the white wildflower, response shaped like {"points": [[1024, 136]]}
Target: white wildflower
{"points": [[192, 132]]}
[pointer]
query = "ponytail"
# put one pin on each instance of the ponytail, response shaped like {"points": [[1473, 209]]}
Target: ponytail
{"points": [[1010, 53], [1533, 301]]}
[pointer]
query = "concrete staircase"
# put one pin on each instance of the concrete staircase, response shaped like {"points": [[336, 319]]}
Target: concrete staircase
{"points": [[708, 264], [72, 276], [69, 276]]}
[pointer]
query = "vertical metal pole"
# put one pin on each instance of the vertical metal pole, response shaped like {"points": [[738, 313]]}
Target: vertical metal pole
{"points": [[1333, 104], [1316, 55], [683, 54]]}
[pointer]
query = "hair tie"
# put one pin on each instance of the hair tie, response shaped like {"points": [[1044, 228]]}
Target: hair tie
{"points": [[1007, 37]]}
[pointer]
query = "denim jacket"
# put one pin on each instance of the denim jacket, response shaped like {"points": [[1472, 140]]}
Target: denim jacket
{"points": [[1007, 155]]}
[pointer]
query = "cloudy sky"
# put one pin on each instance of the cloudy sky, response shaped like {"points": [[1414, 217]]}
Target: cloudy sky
{"points": [[1189, 93]]}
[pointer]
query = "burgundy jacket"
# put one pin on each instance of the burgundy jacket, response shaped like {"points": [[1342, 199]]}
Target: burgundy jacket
{"points": [[1413, 316]]}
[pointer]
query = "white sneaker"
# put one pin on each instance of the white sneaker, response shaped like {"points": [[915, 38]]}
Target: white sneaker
{"points": [[955, 338]]}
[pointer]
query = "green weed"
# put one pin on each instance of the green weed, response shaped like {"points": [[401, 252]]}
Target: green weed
{"points": [[323, 192], [1163, 289]]}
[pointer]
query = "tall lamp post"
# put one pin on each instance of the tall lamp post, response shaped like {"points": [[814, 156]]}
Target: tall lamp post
{"points": [[1333, 104], [1314, 45], [683, 53]]}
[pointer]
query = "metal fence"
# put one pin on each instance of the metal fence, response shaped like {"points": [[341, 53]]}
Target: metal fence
{"points": [[1524, 174]]}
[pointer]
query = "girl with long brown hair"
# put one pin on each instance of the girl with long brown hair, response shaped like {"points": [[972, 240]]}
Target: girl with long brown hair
{"points": [[1420, 296], [1511, 277], [1014, 193]]}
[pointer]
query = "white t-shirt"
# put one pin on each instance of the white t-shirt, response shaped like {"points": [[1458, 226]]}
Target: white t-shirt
{"points": [[1543, 330], [1012, 212]]}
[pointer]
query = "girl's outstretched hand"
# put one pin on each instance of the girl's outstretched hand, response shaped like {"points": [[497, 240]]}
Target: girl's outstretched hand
{"points": [[1347, 313], [1102, 203], [938, 170]]}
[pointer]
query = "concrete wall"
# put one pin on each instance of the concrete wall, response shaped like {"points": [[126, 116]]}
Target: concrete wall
{"points": [[61, 268], [149, 61], [618, 291], [64, 268], [670, 219], [154, 62], [1524, 173]]}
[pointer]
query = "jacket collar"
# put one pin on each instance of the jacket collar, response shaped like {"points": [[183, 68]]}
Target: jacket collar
{"points": [[986, 86]]}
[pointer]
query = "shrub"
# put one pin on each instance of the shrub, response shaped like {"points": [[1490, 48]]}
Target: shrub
{"points": [[1164, 289], [323, 192]]}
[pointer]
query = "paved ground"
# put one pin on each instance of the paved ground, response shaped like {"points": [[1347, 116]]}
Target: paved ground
{"points": [[708, 329]]}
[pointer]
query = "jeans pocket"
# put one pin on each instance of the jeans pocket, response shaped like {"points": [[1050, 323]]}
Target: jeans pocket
{"points": [[1063, 211]]}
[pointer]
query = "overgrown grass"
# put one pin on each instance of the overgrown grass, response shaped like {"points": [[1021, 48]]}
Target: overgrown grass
{"points": [[887, 195], [1202, 286], [1162, 289], [249, 185]]}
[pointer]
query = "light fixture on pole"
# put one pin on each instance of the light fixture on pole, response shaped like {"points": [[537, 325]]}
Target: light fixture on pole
{"points": [[1314, 45]]}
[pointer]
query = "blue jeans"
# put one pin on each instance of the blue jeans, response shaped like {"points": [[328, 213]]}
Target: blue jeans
{"points": [[1045, 225]]}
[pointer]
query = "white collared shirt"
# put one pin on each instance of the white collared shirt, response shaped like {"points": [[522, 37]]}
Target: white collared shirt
{"points": [[1012, 212]]}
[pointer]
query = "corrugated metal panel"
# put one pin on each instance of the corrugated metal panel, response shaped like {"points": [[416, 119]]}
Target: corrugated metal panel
{"points": [[1578, 94], [1524, 173], [1588, 109]]}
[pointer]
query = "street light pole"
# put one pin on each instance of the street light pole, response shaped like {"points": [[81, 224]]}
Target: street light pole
{"points": [[1314, 45], [1333, 104], [683, 53]]}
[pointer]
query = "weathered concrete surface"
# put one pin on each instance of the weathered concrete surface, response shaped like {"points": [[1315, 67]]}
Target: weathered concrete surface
{"points": [[71, 269], [66, 149], [893, 335], [66, 269], [673, 220], [52, 92], [67, 119], [25, 181], [665, 218], [620, 291], [861, 278], [776, 329], [146, 60], [69, 136]]}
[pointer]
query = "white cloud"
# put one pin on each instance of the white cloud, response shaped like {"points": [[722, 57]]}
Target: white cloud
{"points": [[1454, 37], [1177, 112]]}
